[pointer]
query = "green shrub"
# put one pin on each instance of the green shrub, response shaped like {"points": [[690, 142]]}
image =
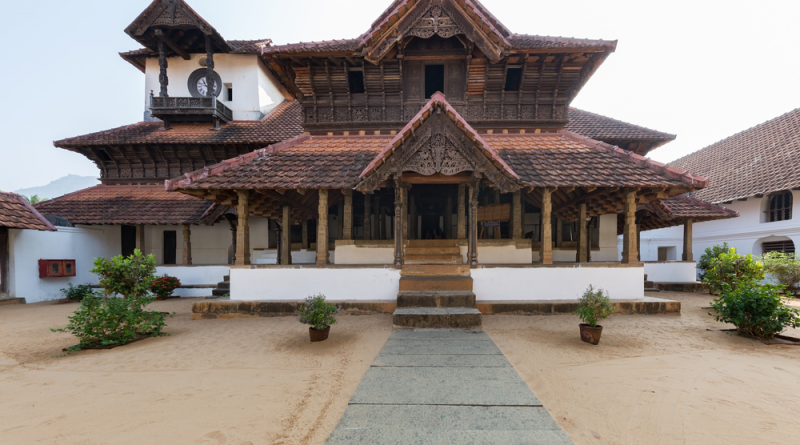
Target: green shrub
{"points": [[78, 292], [164, 286], [734, 270], [131, 277], [711, 254], [784, 268], [318, 313], [755, 310], [103, 321], [594, 305]]}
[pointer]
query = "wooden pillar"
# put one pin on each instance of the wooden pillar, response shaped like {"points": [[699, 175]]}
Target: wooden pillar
{"points": [[233, 223], [367, 217], [399, 216], [638, 243], [546, 247], [472, 249], [448, 218], [589, 242], [278, 240], [340, 220], [187, 245], [629, 249], [163, 80], [461, 230], [210, 68], [322, 228], [140, 241], [688, 255], [304, 246], [243, 228], [559, 233], [347, 223], [412, 219], [404, 211], [286, 238], [580, 255], [518, 215], [380, 221]]}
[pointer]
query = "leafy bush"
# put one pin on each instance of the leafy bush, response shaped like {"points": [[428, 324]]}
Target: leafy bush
{"points": [[130, 277], [78, 292], [785, 268], [711, 254], [755, 310], [164, 286], [734, 270], [318, 313], [113, 321], [594, 305]]}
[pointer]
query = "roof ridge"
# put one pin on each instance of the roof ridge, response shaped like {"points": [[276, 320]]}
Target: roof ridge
{"points": [[601, 116]]}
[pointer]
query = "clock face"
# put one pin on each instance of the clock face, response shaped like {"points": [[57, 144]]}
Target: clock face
{"points": [[202, 87]]}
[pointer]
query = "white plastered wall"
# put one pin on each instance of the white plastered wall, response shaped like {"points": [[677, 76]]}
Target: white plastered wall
{"points": [[255, 90], [293, 284]]}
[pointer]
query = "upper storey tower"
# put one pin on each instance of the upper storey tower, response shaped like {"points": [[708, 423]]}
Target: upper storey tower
{"points": [[494, 78]]}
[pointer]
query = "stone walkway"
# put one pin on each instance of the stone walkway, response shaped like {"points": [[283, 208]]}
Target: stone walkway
{"points": [[444, 387]]}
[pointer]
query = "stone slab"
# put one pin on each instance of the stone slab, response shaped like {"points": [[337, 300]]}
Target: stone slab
{"points": [[439, 334], [451, 347], [444, 386], [436, 317], [435, 417], [438, 437], [436, 299], [440, 361], [644, 306]]}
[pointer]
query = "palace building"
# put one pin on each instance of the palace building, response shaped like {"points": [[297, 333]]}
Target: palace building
{"points": [[435, 156]]}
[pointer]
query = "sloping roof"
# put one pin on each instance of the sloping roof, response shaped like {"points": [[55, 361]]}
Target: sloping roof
{"points": [[758, 161], [171, 13], [675, 211], [137, 57], [16, 213], [126, 204], [604, 128], [281, 124]]}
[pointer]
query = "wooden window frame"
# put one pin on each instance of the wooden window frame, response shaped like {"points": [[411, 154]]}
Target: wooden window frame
{"points": [[779, 206]]}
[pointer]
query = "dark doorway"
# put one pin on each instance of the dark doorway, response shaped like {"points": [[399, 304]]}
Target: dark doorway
{"points": [[128, 240], [170, 247], [430, 227], [434, 80], [3, 260]]}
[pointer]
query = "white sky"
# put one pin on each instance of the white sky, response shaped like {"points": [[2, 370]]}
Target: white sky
{"points": [[701, 69]]}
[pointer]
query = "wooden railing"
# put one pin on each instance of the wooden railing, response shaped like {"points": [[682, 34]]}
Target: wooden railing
{"points": [[201, 106]]}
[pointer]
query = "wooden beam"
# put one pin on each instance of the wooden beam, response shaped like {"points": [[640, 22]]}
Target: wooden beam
{"points": [[171, 43]]}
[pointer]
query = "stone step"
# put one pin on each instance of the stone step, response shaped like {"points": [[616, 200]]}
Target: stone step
{"points": [[451, 250], [11, 300], [220, 292], [652, 289], [224, 285], [226, 278], [461, 299], [442, 318], [432, 243], [436, 284], [649, 284], [434, 270], [433, 259]]}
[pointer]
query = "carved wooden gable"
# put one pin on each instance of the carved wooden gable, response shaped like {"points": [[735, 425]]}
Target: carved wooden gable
{"points": [[435, 21]]}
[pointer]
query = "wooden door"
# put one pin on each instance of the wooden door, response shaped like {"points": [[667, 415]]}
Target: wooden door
{"points": [[128, 240], [170, 247]]}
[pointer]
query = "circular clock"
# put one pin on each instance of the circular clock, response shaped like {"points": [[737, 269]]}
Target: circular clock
{"points": [[198, 86]]}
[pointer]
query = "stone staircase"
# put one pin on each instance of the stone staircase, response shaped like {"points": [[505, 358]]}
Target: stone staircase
{"points": [[435, 288], [223, 287], [649, 286]]}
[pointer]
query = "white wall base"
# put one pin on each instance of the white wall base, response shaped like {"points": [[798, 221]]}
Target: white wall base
{"points": [[293, 284], [195, 275], [671, 272]]}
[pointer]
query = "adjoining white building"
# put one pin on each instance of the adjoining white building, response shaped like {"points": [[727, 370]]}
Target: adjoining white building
{"points": [[755, 173]]}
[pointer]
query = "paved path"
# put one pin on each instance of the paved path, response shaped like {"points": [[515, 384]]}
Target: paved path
{"points": [[444, 387]]}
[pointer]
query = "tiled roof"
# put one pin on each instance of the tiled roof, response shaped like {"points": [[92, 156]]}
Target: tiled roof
{"points": [[342, 45], [16, 213], [126, 204], [758, 161], [281, 124], [604, 128], [249, 46], [675, 211], [567, 159], [525, 41], [303, 162]]}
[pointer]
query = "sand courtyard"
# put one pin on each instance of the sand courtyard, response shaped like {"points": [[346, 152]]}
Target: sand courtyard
{"points": [[654, 380]]}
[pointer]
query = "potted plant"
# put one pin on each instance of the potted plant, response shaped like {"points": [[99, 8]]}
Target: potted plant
{"points": [[164, 286], [593, 305], [319, 315]]}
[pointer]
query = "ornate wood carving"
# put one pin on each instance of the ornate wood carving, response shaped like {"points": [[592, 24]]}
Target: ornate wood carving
{"points": [[435, 22], [163, 80], [398, 223]]}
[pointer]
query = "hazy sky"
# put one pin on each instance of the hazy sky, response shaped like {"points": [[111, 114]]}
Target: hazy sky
{"points": [[701, 69]]}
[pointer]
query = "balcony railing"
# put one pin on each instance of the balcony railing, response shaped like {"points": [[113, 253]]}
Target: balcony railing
{"points": [[189, 109]]}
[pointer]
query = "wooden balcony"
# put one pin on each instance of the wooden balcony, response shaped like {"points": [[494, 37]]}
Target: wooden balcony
{"points": [[189, 109]]}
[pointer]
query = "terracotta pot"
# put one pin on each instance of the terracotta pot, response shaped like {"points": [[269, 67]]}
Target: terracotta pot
{"points": [[319, 335], [590, 334]]}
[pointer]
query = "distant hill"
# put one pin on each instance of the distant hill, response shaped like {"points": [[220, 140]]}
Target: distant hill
{"points": [[61, 186]]}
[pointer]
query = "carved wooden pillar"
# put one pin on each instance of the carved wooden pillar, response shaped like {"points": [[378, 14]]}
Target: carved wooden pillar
{"points": [[286, 238], [546, 249], [278, 240], [589, 242], [559, 233], [399, 216], [380, 222], [187, 245], [340, 220], [518, 213], [140, 241], [163, 80], [638, 243], [448, 218], [347, 223], [688, 255], [210, 68], [304, 246], [404, 211], [461, 230], [412, 219], [233, 223], [580, 255], [629, 249], [322, 228], [472, 257], [367, 217], [243, 229]]}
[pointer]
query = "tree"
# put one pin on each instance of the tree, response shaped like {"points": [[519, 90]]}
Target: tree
{"points": [[35, 199]]}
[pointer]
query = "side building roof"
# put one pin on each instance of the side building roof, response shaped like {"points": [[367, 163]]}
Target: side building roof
{"points": [[17, 213], [758, 161], [675, 211]]}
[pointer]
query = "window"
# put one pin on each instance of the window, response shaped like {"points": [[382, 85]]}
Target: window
{"points": [[780, 207], [128, 240], [229, 92], [170, 247], [513, 79], [356, 78], [778, 246], [434, 80]]}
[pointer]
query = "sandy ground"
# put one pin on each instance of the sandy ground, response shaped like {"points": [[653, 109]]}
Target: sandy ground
{"points": [[652, 380]]}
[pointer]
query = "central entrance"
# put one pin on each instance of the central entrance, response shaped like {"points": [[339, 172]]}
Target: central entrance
{"points": [[433, 211]]}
